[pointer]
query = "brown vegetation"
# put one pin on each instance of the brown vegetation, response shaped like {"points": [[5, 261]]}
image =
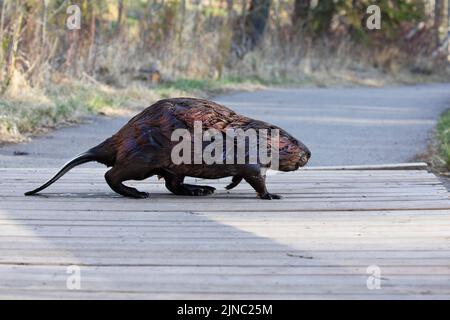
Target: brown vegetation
{"points": [[124, 43]]}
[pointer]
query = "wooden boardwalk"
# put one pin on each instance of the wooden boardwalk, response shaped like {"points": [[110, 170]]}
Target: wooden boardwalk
{"points": [[317, 242]]}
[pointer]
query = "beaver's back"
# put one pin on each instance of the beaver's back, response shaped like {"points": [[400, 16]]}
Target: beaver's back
{"points": [[183, 112], [152, 129], [178, 113]]}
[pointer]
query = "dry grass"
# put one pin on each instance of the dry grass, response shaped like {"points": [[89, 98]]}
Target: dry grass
{"points": [[27, 111], [35, 111], [50, 76]]}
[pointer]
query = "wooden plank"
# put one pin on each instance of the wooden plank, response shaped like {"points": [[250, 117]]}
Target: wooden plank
{"points": [[220, 260], [227, 230], [286, 197], [279, 253], [50, 270], [316, 243], [74, 294], [226, 216], [342, 244], [313, 245], [276, 224], [234, 283], [394, 166], [230, 203]]}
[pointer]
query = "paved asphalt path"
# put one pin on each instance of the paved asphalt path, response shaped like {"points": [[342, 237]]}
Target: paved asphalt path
{"points": [[341, 126]]}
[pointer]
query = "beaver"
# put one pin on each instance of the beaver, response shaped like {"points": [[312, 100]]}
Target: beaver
{"points": [[142, 148]]}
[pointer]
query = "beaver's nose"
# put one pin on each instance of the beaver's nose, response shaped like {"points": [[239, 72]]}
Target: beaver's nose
{"points": [[304, 156], [308, 153], [304, 159]]}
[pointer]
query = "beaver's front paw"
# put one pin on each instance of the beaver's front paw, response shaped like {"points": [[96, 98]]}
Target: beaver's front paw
{"points": [[141, 195], [270, 196]]}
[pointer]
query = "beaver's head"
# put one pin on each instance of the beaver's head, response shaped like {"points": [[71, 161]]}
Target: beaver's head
{"points": [[292, 153]]}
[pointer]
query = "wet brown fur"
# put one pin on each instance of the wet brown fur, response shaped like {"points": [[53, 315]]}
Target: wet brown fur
{"points": [[142, 148]]}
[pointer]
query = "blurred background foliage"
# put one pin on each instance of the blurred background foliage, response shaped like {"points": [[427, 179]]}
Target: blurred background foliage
{"points": [[143, 50], [122, 40]]}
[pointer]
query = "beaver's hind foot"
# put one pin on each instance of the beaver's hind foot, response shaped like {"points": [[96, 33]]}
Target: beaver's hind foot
{"points": [[193, 190], [270, 196], [115, 176], [175, 185]]}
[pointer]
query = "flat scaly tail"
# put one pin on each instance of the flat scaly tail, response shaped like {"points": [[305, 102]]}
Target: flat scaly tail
{"points": [[80, 159]]}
